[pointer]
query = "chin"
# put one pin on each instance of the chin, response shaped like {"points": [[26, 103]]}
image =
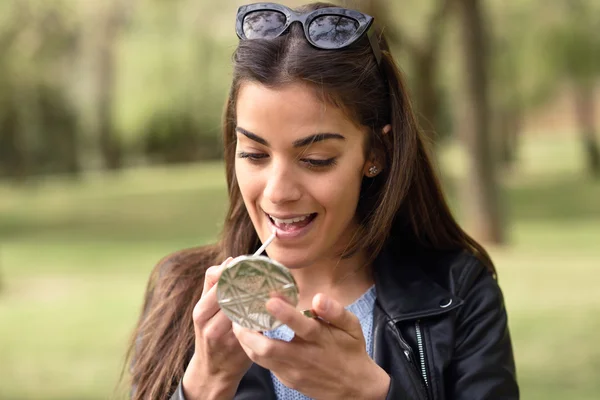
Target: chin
{"points": [[290, 259]]}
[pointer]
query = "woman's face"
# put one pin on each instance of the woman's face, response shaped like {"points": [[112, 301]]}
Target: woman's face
{"points": [[299, 165]]}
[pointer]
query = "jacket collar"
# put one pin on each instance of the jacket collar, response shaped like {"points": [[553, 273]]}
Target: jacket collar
{"points": [[405, 292]]}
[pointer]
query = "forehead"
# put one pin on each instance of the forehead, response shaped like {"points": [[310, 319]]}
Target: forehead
{"points": [[294, 110]]}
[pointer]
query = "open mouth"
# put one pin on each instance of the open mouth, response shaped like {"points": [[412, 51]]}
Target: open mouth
{"points": [[292, 224]]}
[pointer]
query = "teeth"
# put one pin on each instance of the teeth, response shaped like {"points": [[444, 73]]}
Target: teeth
{"points": [[289, 221]]}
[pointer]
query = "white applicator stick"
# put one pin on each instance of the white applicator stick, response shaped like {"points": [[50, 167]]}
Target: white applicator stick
{"points": [[265, 244]]}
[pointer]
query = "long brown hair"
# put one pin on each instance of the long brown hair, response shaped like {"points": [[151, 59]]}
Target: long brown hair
{"points": [[404, 201]]}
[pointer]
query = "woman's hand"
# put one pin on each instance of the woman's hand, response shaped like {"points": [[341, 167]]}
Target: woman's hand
{"points": [[327, 359], [218, 363]]}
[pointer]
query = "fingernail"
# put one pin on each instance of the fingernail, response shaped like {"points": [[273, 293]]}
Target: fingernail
{"points": [[324, 303]]}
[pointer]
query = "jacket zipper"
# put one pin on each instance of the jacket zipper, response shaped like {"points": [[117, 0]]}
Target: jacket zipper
{"points": [[409, 354], [421, 352]]}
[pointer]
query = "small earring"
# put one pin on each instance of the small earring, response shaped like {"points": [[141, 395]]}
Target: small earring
{"points": [[373, 170]]}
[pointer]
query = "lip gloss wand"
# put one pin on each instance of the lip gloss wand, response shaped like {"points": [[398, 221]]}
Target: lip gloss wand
{"points": [[265, 244]]}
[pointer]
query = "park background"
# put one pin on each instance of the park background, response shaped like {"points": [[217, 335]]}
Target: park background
{"points": [[110, 159]]}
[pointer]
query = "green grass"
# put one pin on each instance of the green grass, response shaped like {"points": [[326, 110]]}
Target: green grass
{"points": [[74, 259]]}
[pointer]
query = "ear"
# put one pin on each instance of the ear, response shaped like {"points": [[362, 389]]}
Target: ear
{"points": [[387, 129], [371, 170], [374, 164]]}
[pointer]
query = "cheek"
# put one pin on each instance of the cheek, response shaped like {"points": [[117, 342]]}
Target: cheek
{"points": [[340, 193], [248, 184]]}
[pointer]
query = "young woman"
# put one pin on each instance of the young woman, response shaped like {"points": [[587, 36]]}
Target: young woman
{"points": [[321, 146]]}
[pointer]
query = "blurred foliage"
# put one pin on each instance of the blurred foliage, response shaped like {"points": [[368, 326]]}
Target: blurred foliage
{"points": [[167, 95], [36, 112], [169, 138], [153, 74], [573, 44]]}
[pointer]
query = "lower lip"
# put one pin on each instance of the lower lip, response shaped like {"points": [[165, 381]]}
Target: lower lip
{"points": [[296, 233]]}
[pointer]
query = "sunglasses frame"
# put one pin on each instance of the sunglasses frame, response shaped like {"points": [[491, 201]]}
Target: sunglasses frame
{"points": [[365, 23]]}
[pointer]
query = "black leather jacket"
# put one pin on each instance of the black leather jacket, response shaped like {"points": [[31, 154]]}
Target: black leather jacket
{"points": [[439, 329]]}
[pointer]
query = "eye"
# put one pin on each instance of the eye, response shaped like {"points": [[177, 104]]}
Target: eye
{"points": [[253, 157], [314, 163]]}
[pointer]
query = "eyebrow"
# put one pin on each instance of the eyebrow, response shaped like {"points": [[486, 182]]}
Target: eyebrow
{"points": [[318, 137]]}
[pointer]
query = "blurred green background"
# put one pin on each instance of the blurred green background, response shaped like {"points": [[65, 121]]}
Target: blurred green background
{"points": [[110, 159]]}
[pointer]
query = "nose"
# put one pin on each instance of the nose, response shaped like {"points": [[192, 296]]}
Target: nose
{"points": [[282, 185]]}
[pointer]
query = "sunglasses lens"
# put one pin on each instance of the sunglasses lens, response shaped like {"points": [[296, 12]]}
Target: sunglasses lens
{"points": [[264, 24], [332, 31]]}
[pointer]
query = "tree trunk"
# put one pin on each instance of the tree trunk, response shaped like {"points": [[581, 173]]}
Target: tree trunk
{"points": [[584, 107], [109, 144], [13, 152], [483, 217], [426, 94], [108, 33], [71, 143], [508, 122], [28, 119], [1, 275]]}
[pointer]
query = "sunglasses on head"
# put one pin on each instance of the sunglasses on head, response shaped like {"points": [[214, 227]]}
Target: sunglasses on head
{"points": [[324, 28]]}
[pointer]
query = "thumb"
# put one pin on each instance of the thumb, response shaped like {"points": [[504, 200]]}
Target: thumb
{"points": [[212, 274], [334, 313]]}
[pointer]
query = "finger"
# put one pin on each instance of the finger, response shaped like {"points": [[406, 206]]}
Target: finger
{"points": [[275, 294], [217, 327], [259, 348], [212, 274], [334, 313], [304, 328], [206, 307]]}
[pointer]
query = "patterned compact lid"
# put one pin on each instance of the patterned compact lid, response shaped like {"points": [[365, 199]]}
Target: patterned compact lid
{"points": [[245, 286]]}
